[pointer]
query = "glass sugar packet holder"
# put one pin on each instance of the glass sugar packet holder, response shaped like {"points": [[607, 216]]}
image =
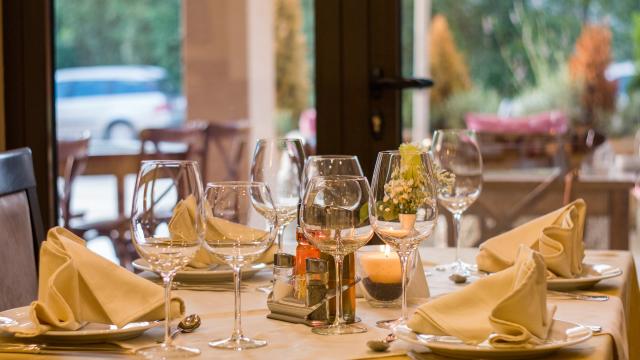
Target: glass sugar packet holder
{"points": [[292, 309]]}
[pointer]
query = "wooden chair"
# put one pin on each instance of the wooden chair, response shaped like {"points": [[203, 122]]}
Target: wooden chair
{"points": [[22, 229], [229, 140], [72, 160], [193, 135]]}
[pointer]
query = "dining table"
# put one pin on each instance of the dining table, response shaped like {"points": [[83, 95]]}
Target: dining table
{"points": [[619, 318]]}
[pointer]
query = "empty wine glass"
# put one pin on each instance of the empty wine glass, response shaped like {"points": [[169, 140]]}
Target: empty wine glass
{"points": [[279, 164], [403, 208], [335, 219], [167, 231], [241, 225], [325, 165], [457, 152]]}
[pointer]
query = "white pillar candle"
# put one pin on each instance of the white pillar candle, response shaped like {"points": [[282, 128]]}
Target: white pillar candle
{"points": [[381, 267]]}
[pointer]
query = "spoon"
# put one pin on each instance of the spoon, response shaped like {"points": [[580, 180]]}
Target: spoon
{"points": [[458, 278], [381, 345], [186, 325]]}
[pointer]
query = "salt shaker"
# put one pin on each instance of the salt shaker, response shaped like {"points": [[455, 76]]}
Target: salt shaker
{"points": [[282, 275]]}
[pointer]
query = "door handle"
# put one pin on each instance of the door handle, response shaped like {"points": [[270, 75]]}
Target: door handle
{"points": [[379, 83]]}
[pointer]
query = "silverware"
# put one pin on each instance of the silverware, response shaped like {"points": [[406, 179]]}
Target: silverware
{"points": [[48, 349], [574, 296], [187, 325], [381, 345]]}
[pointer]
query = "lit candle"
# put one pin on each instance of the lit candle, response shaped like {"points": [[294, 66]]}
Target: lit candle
{"points": [[382, 266]]}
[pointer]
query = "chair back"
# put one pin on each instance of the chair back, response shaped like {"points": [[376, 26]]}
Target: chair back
{"points": [[192, 135], [229, 139], [22, 229], [72, 161]]}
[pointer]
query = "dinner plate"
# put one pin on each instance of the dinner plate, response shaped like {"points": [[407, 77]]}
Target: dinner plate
{"points": [[562, 334], [591, 275], [91, 332], [205, 275]]}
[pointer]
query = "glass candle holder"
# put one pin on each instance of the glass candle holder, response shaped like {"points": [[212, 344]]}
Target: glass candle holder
{"points": [[379, 268]]}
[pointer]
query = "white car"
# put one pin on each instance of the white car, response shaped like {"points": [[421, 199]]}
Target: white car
{"points": [[110, 102]]}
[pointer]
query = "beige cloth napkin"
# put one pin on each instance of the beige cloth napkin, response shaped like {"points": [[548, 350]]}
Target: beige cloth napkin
{"points": [[181, 224], [510, 304], [77, 286], [556, 235]]}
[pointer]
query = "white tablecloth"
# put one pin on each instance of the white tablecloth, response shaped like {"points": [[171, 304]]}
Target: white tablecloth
{"points": [[618, 316]]}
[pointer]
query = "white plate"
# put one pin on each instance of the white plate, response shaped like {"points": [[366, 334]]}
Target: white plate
{"points": [[454, 347], [91, 332], [591, 275], [202, 275]]}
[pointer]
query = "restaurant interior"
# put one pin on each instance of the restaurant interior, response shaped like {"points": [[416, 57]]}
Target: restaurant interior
{"points": [[319, 179]]}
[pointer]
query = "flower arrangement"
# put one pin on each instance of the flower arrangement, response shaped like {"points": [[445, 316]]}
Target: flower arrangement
{"points": [[407, 189]]}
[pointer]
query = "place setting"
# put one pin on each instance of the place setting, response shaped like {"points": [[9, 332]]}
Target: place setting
{"points": [[206, 247]]}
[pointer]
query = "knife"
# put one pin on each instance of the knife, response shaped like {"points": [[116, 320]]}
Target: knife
{"points": [[58, 349]]}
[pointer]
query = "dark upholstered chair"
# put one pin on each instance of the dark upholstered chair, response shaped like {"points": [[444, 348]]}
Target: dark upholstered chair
{"points": [[22, 229]]}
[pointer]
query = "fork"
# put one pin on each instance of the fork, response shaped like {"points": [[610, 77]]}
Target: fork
{"points": [[574, 296]]}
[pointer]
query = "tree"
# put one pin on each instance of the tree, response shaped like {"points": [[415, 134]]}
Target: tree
{"points": [[448, 68], [292, 83], [119, 32], [587, 66]]}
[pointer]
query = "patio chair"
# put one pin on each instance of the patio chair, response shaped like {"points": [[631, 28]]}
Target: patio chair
{"points": [[72, 161]]}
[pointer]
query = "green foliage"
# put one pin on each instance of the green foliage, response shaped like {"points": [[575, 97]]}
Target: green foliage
{"points": [[629, 116], [119, 32], [292, 82], [451, 113], [635, 82], [552, 92], [497, 36]]}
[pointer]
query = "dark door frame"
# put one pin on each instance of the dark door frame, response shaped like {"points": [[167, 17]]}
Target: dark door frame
{"points": [[27, 28], [354, 40]]}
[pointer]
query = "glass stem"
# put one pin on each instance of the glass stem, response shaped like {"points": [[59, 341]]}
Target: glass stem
{"points": [[338, 261], [167, 279], [404, 257], [237, 325], [280, 235], [457, 220]]}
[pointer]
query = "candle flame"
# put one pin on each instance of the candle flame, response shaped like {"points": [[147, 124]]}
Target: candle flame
{"points": [[387, 250]]}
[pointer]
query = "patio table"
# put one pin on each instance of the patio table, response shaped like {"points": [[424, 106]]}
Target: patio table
{"points": [[618, 316], [541, 190]]}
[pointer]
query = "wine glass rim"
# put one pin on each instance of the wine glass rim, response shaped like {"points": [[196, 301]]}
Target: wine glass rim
{"points": [[283, 139], [169, 162], [397, 152], [333, 157], [338, 177], [455, 131], [236, 183]]}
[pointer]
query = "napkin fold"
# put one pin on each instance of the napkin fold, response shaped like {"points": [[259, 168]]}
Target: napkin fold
{"points": [[556, 235], [181, 224], [78, 286], [509, 308]]}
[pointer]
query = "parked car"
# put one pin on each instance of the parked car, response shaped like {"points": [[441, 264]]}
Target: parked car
{"points": [[111, 102]]}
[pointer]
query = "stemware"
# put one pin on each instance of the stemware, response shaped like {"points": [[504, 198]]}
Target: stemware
{"points": [[241, 225], [457, 152], [279, 164], [334, 218], [167, 231], [403, 209], [325, 165]]}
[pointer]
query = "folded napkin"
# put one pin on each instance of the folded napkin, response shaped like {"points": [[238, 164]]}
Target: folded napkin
{"points": [[556, 235], [77, 286], [509, 307], [181, 225]]}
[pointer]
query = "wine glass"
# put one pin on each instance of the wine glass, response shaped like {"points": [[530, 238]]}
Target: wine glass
{"points": [[334, 218], [241, 225], [279, 164], [167, 230], [325, 165], [457, 152], [404, 208]]}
